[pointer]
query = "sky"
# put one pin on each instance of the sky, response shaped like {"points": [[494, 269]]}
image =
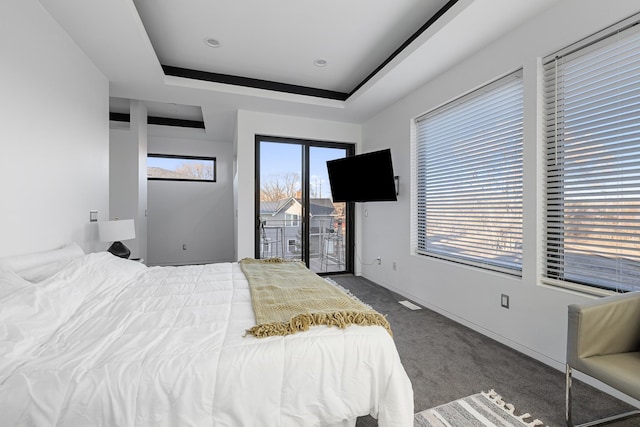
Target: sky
{"points": [[277, 158]]}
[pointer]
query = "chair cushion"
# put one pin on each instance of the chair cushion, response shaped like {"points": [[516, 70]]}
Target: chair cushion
{"points": [[620, 371]]}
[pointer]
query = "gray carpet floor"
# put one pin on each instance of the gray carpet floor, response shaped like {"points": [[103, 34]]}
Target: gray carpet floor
{"points": [[447, 361]]}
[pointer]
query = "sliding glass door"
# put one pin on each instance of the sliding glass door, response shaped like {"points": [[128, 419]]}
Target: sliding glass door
{"points": [[296, 216]]}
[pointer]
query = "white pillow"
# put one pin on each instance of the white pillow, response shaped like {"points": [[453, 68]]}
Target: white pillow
{"points": [[41, 272], [38, 266], [10, 282]]}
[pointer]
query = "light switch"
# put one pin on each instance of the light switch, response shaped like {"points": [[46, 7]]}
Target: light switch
{"points": [[93, 216]]}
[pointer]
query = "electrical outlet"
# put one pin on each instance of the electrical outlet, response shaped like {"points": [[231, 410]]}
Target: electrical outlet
{"points": [[504, 300], [184, 247], [379, 261], [93, 216], [394, 266]]}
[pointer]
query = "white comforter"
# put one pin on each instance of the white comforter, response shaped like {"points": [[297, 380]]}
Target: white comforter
{"points": [[110, 342]]}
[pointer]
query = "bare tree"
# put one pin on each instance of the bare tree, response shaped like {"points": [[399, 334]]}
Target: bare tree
{"points": [[278, 187], [196, 170]]}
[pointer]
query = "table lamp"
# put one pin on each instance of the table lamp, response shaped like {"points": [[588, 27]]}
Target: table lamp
{"points": [[115, 231]]}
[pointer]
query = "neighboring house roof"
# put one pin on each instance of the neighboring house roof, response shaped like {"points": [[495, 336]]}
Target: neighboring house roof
{"points": [[269, 208], [317, 206], [274, 208], [321, 207]]}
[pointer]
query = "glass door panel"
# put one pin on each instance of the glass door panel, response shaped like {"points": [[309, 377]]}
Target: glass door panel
{"points": [[327, 220], [280, 201]]}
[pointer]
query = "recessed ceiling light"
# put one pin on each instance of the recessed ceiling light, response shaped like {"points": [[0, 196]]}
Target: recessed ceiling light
{"points": [[320, 63], [211, 42]]}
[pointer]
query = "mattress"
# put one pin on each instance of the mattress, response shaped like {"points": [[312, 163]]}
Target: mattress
{"points": [[110, 342]]}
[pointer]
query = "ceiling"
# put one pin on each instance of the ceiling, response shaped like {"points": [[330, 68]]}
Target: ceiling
{"points": [[374, 53], [280, 41]]}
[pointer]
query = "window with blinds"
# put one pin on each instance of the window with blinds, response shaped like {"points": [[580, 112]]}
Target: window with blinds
{"points": [[468, 165], [592, 94]]}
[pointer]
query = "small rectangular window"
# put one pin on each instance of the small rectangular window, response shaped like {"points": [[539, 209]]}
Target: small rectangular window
{"points": [[292, 220], [292, 246], [166, 167]]}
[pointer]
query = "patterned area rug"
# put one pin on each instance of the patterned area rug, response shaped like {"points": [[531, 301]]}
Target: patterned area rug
{"points": [[481, 410]]}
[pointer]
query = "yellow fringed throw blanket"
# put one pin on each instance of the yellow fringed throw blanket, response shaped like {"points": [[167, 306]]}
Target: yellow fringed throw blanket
{"points": [[287, 298]]}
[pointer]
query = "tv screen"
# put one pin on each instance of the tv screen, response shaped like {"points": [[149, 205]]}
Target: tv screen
{"points": [[366, 177]]}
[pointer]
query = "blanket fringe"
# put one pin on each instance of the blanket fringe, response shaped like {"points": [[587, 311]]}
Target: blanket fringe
{"points": [[497, 399], [303, 322]]}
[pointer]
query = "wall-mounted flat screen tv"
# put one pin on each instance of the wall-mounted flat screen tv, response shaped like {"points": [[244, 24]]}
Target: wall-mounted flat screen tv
{"points": [[366, 177]]}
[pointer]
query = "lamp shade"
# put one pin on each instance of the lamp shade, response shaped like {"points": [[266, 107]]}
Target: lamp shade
{"points": [[111, 231]]}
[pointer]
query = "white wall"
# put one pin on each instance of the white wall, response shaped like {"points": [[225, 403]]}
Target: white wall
{"points": [[196, 214], [54, 136], [536, 321], [123, 175], [139, 121], [251, 124], [128, 176]]}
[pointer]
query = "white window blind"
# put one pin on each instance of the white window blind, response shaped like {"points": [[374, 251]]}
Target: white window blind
{"points": [[592, 94], [469, 178]]}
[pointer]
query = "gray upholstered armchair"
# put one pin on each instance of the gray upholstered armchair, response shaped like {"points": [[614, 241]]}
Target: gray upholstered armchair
{"points": [[603, 342]]}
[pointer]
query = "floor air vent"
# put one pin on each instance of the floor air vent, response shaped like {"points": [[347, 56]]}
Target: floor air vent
{"points": [[410, 305]]}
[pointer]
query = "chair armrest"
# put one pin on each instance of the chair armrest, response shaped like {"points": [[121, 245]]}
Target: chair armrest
{"points": [[608, 325]]}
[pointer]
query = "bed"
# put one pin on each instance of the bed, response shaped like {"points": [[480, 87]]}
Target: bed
{"points": [[92, 339]]}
